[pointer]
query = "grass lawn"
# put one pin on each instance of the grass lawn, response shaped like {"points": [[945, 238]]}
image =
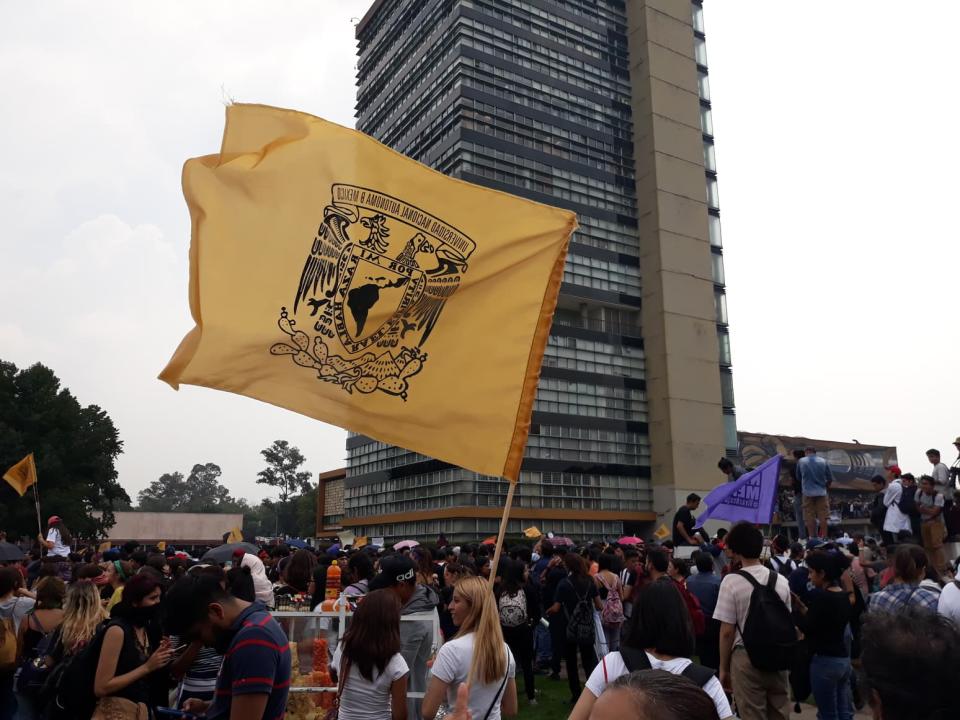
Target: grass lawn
{"points": [[552, 702]]}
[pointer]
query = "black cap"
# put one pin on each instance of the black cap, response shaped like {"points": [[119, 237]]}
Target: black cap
{"points": [[394, 570]]}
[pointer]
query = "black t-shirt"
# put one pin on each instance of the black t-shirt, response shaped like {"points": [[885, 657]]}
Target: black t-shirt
{"points": [[684, 515], [571, 591], [824, 625]]}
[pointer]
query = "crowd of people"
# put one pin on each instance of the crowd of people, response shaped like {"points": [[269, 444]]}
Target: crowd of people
{"points": [[746, 626]]}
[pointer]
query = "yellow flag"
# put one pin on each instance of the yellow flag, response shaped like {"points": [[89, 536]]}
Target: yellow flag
{"points": [[360, 541], [104, 546], [162, 545], [532, 532], [334, 277], [22, 475], [661, 532], [236, 535]]}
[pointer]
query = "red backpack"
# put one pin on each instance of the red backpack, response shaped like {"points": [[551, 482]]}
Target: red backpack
{"points": [[697, 617]]}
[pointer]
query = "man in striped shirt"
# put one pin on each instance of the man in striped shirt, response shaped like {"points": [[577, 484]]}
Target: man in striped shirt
{"points": [[255, 677]]}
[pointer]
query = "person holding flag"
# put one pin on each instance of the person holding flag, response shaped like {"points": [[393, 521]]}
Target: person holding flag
{"points": [[57, 545]]}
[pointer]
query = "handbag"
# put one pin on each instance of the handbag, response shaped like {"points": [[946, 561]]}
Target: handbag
{"points": [[33, 671]]}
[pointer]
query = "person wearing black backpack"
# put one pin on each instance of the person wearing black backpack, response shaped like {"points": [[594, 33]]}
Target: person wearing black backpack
{"points": [[575, 600], [757, 634], [660, 636]]}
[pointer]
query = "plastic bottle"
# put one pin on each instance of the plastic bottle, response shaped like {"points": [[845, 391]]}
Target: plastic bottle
{"points": [[333, 582]]}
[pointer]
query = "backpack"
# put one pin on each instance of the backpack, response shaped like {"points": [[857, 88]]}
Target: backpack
{"points": [[612, 613], [580, 627], [878, 513], [636, 659], [33, 670], [785, 568], [513, 609], [908, 503], [70, 685], [8, 640], [697, 618], [769, 635]]}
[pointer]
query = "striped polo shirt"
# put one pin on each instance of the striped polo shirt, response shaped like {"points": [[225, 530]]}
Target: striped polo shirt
{"points": [[257, 662]]}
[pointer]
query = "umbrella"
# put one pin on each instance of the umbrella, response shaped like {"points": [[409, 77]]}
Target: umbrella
{"points": [[630, 540], [296, 543], [405, 544], [562, 541], [10, 552], [224, 553]]}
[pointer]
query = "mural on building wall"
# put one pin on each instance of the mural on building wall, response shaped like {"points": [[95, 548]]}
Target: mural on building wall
{"points": [[852, 464]]}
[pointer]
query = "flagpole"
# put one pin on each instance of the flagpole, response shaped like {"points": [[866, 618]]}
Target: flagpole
{"points": [[36, 499], [503, 529]]}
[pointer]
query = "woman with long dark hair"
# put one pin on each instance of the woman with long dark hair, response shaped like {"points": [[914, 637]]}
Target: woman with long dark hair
{"points": [[519, 607], [659, 635], [297, 574], [574, 591], [373, 682], [126, 657]]}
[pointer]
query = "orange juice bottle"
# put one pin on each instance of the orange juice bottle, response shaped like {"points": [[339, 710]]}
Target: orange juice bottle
{"points": [[333, 581]]}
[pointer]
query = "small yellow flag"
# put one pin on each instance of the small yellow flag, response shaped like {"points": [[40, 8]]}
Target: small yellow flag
{"points": [[162, 545], [337, 278], [360, 541], [532, 532], [661, 532], [104, 546], [22, 475], [236, 535]]}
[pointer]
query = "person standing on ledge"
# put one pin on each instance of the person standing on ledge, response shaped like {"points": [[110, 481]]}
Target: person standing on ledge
{"points": [[684, 522], [815, 479]]}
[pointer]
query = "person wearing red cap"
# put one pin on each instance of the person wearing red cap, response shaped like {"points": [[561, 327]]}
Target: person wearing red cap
{"points": [[57, 544]]}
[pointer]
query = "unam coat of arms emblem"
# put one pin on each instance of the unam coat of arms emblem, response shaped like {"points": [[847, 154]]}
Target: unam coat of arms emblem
{"points": [[373, 287]]}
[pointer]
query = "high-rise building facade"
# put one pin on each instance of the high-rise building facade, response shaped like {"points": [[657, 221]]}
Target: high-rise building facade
{"points": [[583, 104]]}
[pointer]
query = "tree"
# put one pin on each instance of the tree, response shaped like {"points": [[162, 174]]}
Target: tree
{"points": [[283, 470], [201, 491], [75, 448]]}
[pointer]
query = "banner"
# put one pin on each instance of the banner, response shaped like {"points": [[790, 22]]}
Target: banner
{"points": [[750, 499], [22, 475], [332, 276]]}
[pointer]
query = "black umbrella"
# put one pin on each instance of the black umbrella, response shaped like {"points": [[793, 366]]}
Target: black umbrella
{"points": [[10, 552], [224, 553]]}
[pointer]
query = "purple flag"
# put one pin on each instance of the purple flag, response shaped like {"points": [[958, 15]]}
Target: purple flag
{"points": [[750, 498]]}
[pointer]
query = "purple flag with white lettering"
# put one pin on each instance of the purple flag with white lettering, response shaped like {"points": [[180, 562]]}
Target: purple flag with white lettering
{"points": [[750, 498]]}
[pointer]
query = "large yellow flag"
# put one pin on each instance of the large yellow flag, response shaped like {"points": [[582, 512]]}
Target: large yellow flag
{"points": [[22, 475], [334, 277]]}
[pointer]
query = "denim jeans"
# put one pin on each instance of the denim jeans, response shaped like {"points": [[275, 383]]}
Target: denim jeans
{"points": [[541, 641], [830, 682]]}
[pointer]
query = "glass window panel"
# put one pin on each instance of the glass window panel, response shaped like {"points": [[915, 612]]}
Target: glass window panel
{"points": [[709, 155], [718, 276], [700, 50], [704, 82], [698, 17], [713, 193], [723, 340], [720, 300], [706, 120], [713, 224]]}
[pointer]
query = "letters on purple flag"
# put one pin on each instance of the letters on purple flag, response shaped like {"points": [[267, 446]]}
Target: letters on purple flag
{"points": [[750, 498]]}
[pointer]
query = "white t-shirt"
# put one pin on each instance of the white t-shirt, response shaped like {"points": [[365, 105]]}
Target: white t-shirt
{"points": [[365, 700], [949, 603], [896, 520], [733, 603], [941, 480], [453, 665], [616, 667], [58, 549]]}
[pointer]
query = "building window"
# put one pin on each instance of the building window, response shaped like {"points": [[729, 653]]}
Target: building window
{"points": [[713, 225], [726, 388], [718, 276], [700, 51], [730, 430], [706, 120], [698, 17], [720, 301], [709, 156], [723, 340], [704, 86], [713, 193]]}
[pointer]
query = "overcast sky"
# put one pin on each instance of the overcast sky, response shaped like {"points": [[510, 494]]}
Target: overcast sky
{"points": [[837, 157]]}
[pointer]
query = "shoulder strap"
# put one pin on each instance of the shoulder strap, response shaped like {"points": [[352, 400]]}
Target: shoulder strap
{"points": [[634, 659], [749, 577], [772, 580], [503, 684], [699, 674]]}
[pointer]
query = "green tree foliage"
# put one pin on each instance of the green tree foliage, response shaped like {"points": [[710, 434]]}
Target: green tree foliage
{"points": [[201, 492], [283, 470], [75, 448]]}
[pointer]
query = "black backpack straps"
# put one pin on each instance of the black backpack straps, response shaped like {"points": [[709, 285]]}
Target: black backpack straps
{"points": [[634, 658], [772, 581], [699, 674], [749, 577]]}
